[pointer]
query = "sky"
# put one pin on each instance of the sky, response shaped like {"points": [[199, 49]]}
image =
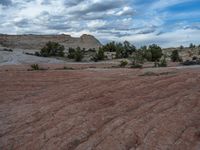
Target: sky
{"points": [[168, 23]]}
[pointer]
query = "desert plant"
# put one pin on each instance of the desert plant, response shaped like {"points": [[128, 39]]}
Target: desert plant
{"points": [[123, 63], [37, 54], [181, 47], [192, 46], [99, 55], [163, 62], [71, 53], [35, 67], [78, 54], [194, 58], [137, 60], [156, 52], [52, 49], [175, 56]]}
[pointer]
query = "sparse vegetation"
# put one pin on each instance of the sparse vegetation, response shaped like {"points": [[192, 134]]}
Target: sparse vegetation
{"points": [[35, 67], [181, 47], [7, 50], [71, 53], [156, 52], [137, 60], [163, 62], [78, 54], [123, 63], [175, 56], [192, 46], [52, 49], [99, 55], [123, 50]]}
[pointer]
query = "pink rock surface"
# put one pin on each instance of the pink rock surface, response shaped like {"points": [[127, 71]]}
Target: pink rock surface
{"points": [[113, 109]]}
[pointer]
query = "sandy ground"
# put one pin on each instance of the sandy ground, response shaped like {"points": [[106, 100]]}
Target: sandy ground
{"points": [[100, 109]]}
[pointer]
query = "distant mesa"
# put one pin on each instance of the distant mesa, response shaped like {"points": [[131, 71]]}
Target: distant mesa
{"points": [[30, 41]]}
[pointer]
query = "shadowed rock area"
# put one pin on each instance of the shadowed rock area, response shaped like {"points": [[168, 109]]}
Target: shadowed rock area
{"points": [[100, 109], [38, 41]]}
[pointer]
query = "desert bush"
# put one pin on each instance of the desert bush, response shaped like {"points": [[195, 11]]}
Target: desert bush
{"points": [[7, 50], [175, 56], [137, 60], [78, 54], [35, 67], [99, 55], [52, 49], [181, 47], [123, 50], [71, 53], [123, 63], [194, 58], [37, 54], [156, 52], [192, 46], [163, 62], [189, 63]]}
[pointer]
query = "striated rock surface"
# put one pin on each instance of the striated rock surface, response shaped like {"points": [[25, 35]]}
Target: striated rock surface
{"points": [[38, 41], [114, 109]]}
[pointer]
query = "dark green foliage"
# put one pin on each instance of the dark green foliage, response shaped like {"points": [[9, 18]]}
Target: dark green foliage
{"points": [[7, 50], [99, 55], [128, 49], [37, 54], [163, 62], [156, 52], [192, 45], [175, 56], [181, 47], [78, 54], [123, 63], [35, 67], [146, 53], [71, 53], [194, 58], [52, 49], [123, 50], [137, 60]]}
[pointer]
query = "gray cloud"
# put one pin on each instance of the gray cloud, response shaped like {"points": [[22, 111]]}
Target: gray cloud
{"points": [[5, 2]]}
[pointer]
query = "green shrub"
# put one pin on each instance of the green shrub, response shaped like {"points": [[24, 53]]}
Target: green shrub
{"points": [[99, 55], [52, 49], [37, 54], [35, 67], [78, 54], [163, 62], [156, 52], [181, 47], [175, 56], [137, 60], [71, 53], [123, 63], [136, 66]]}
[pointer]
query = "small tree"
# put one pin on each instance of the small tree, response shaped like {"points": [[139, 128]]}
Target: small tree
{"points": [[71, 53], [163, 62], [156, 52], [123, 63], [78, 54], [99, 55], [181, 47], [52, 49], [137, 60], [175, 56], [192, 46]]}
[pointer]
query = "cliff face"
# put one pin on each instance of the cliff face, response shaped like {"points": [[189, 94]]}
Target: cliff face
{"points": [[38, 41]]}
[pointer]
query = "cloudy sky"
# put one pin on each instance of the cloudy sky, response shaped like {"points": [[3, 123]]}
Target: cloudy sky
{"points": [[164, 22]]}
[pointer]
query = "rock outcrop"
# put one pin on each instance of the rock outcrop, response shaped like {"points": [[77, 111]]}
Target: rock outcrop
{"points": [[38, 41]]}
